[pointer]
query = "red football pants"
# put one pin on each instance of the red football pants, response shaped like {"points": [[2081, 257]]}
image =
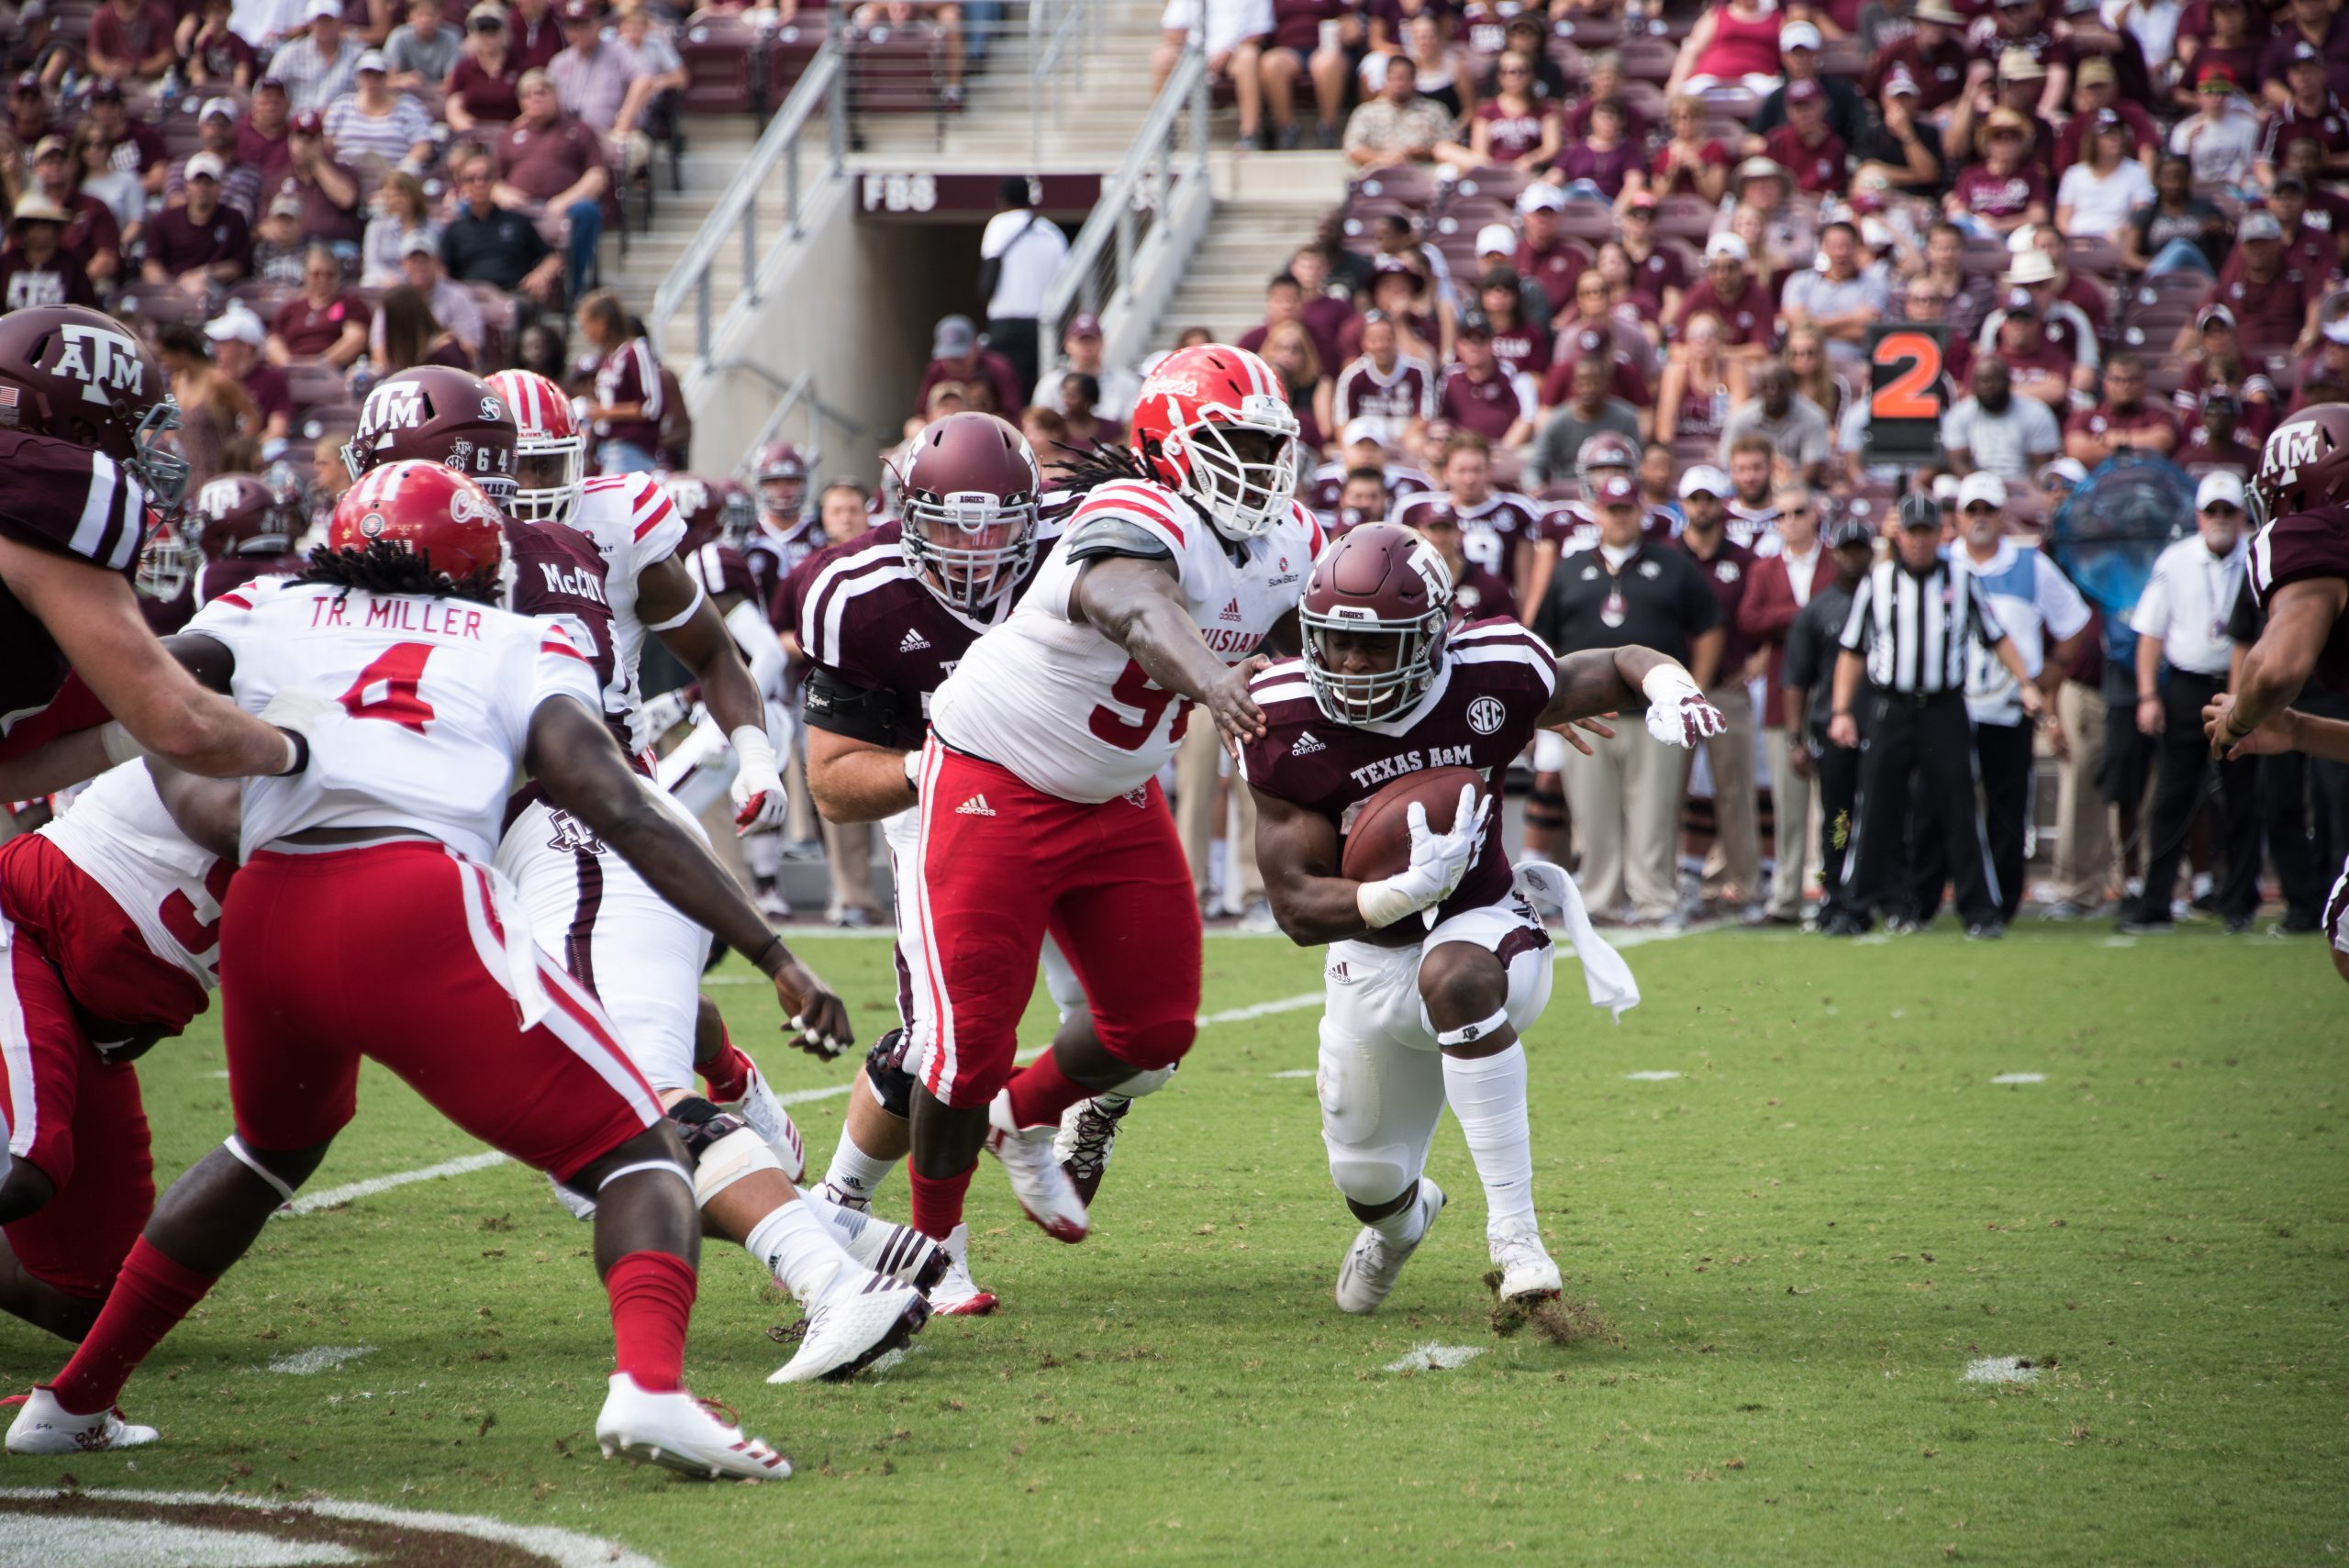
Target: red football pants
{"points": [[395, 953], [1000, 863]]}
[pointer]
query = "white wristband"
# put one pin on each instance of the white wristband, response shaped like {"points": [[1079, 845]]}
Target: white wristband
{"points": [[120, 745], [1382, 904], [752, 749], [913, 772], [1668, 683]]}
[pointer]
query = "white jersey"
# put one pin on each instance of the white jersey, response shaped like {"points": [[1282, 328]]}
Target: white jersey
{"points": [[430, 705], [636, 526], [117, 832], [1062, 706]]}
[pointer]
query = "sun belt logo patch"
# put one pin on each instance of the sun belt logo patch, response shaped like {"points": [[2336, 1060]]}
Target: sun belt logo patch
{"points": [[102, 360]]}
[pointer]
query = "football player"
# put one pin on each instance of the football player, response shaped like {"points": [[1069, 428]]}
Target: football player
{"points": [[1040, 806], [83, 404], [237, 529], [1434, 971], [883, 619], [786, 531], [391, 659], [2299, 575]]}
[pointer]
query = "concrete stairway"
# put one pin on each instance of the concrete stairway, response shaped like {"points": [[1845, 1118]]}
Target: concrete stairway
{"points": [[1266, 206]]}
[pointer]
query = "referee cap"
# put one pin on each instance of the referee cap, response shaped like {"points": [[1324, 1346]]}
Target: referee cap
{"points": [[1847, 531], [1920, 511]]}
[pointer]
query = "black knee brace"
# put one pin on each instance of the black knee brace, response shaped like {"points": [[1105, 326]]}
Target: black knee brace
{"points": [[884, 1069], [701, 1124]]}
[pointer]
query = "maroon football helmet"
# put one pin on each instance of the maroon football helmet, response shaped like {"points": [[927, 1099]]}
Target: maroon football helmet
{"points": [[716, 510], [434, 511], [1380, 579], [438, 413], [2304, 465], [782, 479], [1604, 450], [236, 514], [80, 376], [968, 497]]}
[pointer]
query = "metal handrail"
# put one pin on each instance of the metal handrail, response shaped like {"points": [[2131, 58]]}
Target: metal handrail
{"points": [[1047, 45], [822, 85], [1132, 205], [799, 392]]}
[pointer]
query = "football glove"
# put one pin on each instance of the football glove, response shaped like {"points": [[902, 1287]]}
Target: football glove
{"points": [[1438, 863], [1678, 714]]}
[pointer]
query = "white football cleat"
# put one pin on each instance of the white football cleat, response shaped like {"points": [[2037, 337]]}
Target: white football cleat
{"points": [[1088, 1132], [767, 1118], [853, 1322], [1373, 1264], [1043, 1189], [1525, 1265], [955, 1295], [682, 1433], [43, 1426], [902, 1252]]}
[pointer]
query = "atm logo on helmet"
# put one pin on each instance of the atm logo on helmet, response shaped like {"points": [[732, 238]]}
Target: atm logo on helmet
{"points": [[2294, 446], [395, 406], [103, 360]]}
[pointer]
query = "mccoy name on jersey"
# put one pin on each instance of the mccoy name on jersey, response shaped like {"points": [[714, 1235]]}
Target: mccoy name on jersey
{"points": [[1061, 706]]}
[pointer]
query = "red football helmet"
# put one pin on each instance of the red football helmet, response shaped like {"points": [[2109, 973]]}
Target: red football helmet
{"points": [[549, 450], [968, 497], [1381, 580], [82, 376], [782, 479], [438, 513], [236, 514], [1213, 423], [1604, 452], [436, 413], [2304, 465]]}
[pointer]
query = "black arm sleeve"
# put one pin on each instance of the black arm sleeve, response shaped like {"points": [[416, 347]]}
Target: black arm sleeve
{"points": [[830, 701], [2245, 622]]}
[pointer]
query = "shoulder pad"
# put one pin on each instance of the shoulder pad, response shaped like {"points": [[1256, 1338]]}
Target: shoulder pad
{"points": [[1092, 537]]}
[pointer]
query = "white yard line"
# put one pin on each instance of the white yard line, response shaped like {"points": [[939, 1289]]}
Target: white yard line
{"points": [[1999, 1369], [310, 1203], [2019, 1078], [320, 1358], [1436, 1358]]}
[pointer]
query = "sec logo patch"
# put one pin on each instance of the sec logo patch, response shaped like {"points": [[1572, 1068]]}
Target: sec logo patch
{"points": [[1487, 714]]}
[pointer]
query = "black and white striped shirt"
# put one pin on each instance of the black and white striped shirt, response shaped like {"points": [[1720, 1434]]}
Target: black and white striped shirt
{"points": [[1913, 630]]}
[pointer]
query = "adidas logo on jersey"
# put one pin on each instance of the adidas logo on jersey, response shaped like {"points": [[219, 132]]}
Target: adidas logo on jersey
{"points": [[1231, 610], [975, 807], [1307, 745], [914, 643]]}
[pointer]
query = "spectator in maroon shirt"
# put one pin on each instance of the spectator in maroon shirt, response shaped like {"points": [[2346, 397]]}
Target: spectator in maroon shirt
{"points": [[2310, 109], [324, 321], [1689, 162], [34, 267], [1933, 54], [1606, 160], [241, 183], [1804, 146], [329, 191], [1731, 293], [551, 166], [1659, 277], [626, 407], [1605, 85], [29, 116], [264, 135], [955, 355], [212, 56], [2005, 190], [2127, 420], [1478, 393], [91, 238], [237, 336], [1516, 127], [2224, 37], [2216, 441], [1544, 256], [132, 145], [483, 85], [202, 243], [2311, 22], [2275, 301], [130, 40], [1521, 341], [533, 33], [1284, 302]]}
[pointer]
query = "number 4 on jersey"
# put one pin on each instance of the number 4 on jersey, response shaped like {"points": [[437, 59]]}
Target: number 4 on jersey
{"points": [[386, 689]]}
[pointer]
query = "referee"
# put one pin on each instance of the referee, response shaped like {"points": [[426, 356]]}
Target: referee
{"points": [[1913, 620]]}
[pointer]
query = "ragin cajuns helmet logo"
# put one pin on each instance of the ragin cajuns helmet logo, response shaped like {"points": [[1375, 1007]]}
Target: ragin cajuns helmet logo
{"points": [[466, 507], [105, 362]]}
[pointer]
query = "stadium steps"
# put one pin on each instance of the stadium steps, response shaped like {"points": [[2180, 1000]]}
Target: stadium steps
{"points": [[1266, 205]]}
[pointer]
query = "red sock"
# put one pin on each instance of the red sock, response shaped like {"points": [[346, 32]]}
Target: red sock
{"points": [[653, 1295], [937, 1201], [729, 1073], [150, 1297], [1041, 1091]]}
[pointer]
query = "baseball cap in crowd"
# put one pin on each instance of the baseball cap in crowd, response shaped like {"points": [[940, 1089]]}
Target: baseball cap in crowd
{"points": [[51, 147], [1727, 246], [35, 207], [2033, 266], [309, 122], [1759, 168], [2214, 316], [1945, 490], [1899, 83], [33, 11], [106, 93], [1845, 532], [2216, 78], [1981, 488], [580, 11], [269, 84], [372, 60], [2070, 470], [1939, 11], [2258, 225], [2096, 69], [486, 18], [207, 164], [2291, 182], [1617, 490], [1803, 92], [27, 85], [286, 206], [2220, 400], [2337, 330], [2304, 53], [1085, 327], [1360, 431], [2219, 488], [2020, 303], [1542, 196], [2019, 65], [1797, 35], [236, 324], [1703, 479], [1920, 511], [420, 243], [1497, 240], [1472, 324], [1641, 201], [319, 8], [224, 107], [954, 337]]}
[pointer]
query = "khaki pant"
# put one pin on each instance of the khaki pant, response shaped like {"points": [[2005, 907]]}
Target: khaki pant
{"points": [[1733, 867], [847, 846], [2083, 821], [1197, 795], [1791, 797], [1625, 798]]}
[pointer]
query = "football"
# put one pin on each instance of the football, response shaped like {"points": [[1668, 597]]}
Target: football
{"points": [[1379, 842]]}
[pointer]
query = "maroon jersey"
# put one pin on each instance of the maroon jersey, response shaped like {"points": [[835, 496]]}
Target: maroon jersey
{"points": [[2145, 419], [69, 501], [1489, 692], [1523, 348], [2269, 314], [720, 568], [1399, 395], [1491, 407], [1491, 530], [2300, 548], [1727, 573], [558, 570], [773, 554], [630, 375]]}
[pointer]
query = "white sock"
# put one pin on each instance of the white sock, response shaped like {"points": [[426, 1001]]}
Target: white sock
{"points": [[1487, 1095], [798, 1248], [854, 1173], [1408, 1223]]}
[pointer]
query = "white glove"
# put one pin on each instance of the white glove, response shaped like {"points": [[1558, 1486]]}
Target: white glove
{"points": [[760, 804], [121, 746], [1438, 863], [913, 772], [1678, 714], [665, 712], [298, 711]]}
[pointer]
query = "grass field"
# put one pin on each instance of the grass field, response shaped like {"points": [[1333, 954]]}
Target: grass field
{"points": [[1800, 1243]]}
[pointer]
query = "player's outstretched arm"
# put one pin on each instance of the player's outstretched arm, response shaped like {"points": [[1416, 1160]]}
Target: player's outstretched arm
{"points": [[2290, 730], [2299, 618], [575, 756], [1602, 680], [666, 591], [94, 615], [1136, 605]]}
